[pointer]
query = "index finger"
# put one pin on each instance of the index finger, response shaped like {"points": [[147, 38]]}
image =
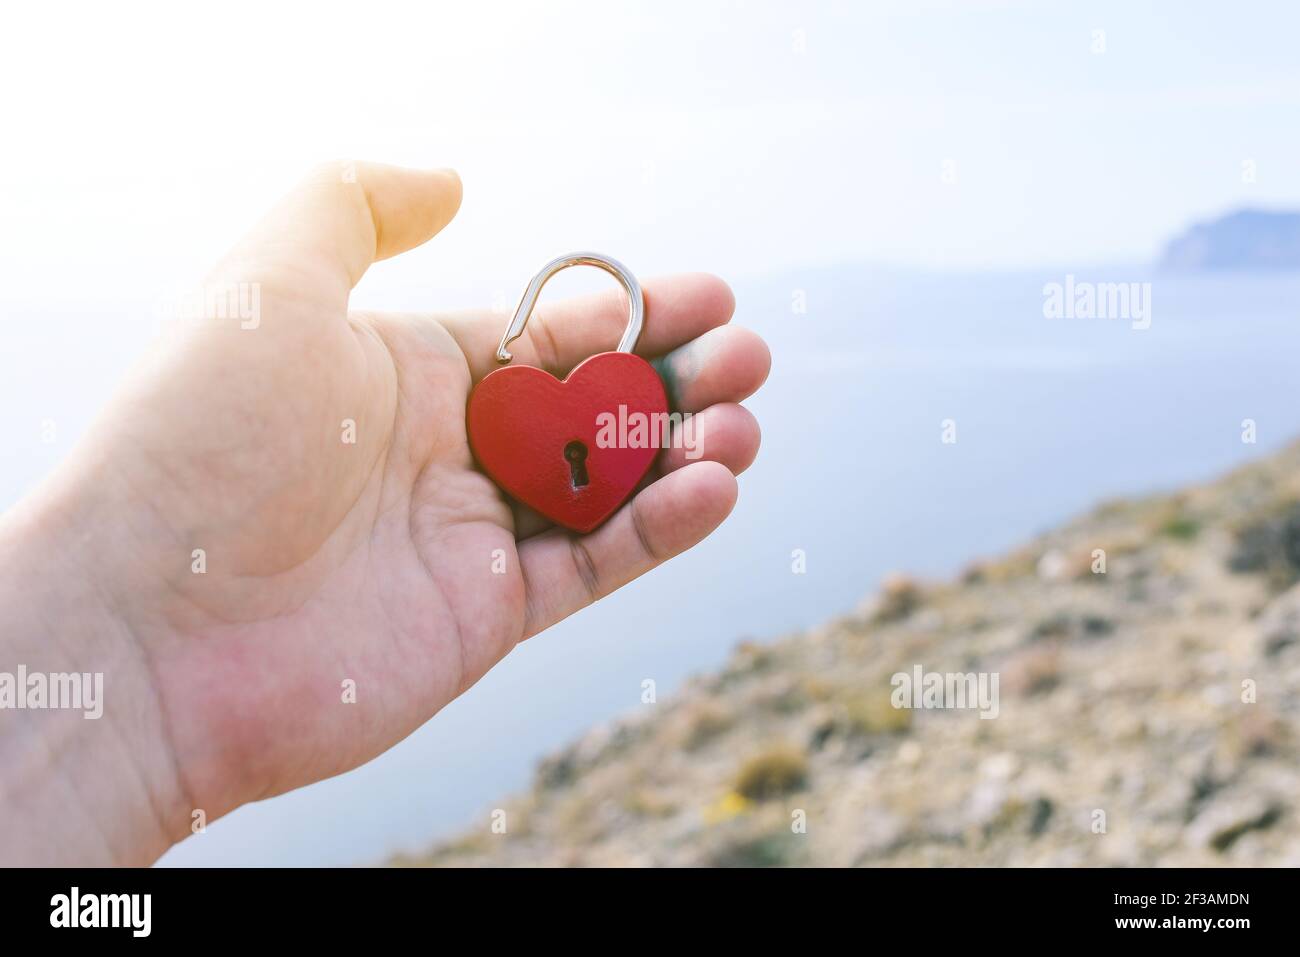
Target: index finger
{"points": [[560, 335]]}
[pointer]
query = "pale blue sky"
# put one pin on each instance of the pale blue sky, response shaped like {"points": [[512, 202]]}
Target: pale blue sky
{"points": [[735, 136]]}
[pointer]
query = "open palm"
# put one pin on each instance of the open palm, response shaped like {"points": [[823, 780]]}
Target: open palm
{"points": [[317, 565]]}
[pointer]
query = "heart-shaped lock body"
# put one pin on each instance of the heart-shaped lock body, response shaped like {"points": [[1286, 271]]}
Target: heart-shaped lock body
{"points": [[573, 450]]}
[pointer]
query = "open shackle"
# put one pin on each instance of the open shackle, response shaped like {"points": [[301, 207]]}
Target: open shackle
{"points": [[636, 300]]}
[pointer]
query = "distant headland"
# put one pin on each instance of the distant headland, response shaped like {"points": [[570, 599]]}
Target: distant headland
{"points": [[1246, 239]]}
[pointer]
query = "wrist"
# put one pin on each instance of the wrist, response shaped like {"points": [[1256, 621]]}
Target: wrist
{"points": [[90, 776]]}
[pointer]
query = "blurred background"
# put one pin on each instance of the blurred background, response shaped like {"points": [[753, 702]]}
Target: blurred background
{"points": [[889, 187]]}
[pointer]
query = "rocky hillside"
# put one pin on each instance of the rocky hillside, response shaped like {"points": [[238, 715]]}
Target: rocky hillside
{"points": [[1246, 239], [1148, 714]]}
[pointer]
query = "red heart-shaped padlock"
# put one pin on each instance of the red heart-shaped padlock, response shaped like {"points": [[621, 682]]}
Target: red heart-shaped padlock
{"points": [[562, 448], [572, 450]]}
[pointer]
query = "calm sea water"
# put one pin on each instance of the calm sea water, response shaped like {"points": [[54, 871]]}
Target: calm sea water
{"points": [[1051, 415]]}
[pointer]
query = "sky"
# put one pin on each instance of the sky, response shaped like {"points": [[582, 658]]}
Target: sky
{"points": [[734, 136]]}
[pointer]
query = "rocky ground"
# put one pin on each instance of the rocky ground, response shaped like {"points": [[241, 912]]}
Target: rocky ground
{"points": [[1148, 715]]}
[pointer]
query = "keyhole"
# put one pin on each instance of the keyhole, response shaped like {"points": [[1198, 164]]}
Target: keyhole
{"points": [[575, 453]]}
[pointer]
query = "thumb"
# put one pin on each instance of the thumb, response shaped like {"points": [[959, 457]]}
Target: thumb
{"points": [[346, 215]]}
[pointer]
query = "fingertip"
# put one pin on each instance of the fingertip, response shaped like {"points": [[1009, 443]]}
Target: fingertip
{"points": [[716, 295], [727, 489], [752, 434], [752, 360], [727, 433], [684, 305], [409, 206], [707, 295], [452, 184], [763, 352], [695, 501], [724, 364], [711, 491], [682, 508]]}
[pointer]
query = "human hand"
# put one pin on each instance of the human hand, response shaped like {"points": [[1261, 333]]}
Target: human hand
{"points": [[244, 559]]}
